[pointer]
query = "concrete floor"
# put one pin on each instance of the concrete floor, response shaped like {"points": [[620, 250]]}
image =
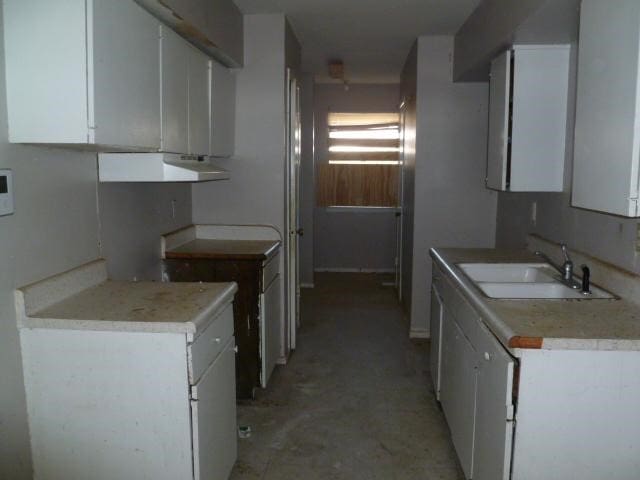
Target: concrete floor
{"points": [[354, 402]]}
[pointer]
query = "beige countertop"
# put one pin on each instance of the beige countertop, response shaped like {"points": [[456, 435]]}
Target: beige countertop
{"points": [[569, 324], [136, 306]]}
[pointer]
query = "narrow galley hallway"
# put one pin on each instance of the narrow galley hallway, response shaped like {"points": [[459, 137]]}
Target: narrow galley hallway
{"points": [[354, 402]]}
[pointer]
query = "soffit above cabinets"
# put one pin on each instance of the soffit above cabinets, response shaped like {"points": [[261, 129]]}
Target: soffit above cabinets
{"points": [[497, 24], [216, 27]]}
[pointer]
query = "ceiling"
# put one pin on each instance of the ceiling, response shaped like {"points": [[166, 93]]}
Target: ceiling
{"points": [[372, 37]]}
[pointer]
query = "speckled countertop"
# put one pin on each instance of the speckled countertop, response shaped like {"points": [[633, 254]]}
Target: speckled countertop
{"points": [[136, 306], [611, 324]]}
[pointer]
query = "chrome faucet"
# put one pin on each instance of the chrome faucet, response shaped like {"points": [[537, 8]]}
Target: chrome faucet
{"points": [[566, 269], [567, 266]]}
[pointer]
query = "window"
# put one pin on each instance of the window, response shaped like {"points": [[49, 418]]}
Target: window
{"points": [[363, 161]]}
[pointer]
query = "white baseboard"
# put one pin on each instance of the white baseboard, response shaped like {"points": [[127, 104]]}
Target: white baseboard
{"points": [[354, 270], [307, 285], [419, 334]]}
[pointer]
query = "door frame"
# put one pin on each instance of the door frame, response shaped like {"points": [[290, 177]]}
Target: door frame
{"points": [[293, 150]]}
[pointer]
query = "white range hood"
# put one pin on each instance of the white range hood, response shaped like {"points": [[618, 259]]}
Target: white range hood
{"points": [[157, 167]]}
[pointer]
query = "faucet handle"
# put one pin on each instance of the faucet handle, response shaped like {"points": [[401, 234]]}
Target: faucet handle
{"points": [[567, 258]]}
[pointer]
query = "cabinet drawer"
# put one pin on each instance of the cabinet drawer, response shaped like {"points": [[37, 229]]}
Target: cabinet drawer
{"points": [[270, 271], [210, 343]]}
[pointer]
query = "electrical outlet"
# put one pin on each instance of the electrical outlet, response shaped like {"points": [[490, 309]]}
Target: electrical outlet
{"points": [[534, 213], [173, 209]]}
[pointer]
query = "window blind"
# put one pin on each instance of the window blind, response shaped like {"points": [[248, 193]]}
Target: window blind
{"points": [[363, 161]]}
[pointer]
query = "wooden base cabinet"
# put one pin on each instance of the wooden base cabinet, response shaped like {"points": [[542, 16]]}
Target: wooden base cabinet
{"points": [[534, 414], [256, 310]]}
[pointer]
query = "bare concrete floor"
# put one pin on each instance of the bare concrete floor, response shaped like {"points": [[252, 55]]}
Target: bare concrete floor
{"points": [[354, 402]]}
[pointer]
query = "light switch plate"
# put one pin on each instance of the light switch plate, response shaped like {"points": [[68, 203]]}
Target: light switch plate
{"points": [[6, 192]]}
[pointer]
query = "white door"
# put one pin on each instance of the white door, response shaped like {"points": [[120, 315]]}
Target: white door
{"points": [[436, 339], [126, 84], [293, 211], [199, 117], [458, 376], [497, 149], [213, 411], [175, 91], [494, 411], [269, 328], [398, 259]]}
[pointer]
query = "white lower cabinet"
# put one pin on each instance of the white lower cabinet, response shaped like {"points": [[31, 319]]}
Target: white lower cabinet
{"points": [[133, 405], [476, 385], [437, 311], [213, 403], [269, 315], [533, 414], [458, 389]]}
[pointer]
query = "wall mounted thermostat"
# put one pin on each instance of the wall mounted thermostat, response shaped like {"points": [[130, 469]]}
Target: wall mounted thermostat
{"points": [[6, 192]]}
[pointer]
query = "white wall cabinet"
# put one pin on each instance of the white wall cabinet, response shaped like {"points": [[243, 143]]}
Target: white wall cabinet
{"points": [[199, 102], [175, 56], [185, 96], [528, 119], [607, 135], [223, 111], [84, 74]]}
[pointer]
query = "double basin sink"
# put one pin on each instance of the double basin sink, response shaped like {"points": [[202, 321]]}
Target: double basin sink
{"points": [[525, 281]]}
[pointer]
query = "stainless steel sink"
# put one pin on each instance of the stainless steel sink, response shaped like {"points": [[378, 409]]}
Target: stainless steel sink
{"points": [[525, 281]]}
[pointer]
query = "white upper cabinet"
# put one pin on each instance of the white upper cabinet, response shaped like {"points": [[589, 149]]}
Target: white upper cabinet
{"points": [[82, 72], [607, 134], [223, 111], [199, 102], [175, 56], [186, 83], [528, 119]]}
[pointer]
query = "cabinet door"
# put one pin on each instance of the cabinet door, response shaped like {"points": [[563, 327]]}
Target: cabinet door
{"points": [[269, 329], [499, 93], [199, 118], [174, 98], [458, 389], [494, 410], [223, 111], [125, 107], [213, 410], [436, 339], [607, 132]]}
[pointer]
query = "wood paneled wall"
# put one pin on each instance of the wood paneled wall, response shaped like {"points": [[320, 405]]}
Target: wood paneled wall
{"points": [[357, 185]]}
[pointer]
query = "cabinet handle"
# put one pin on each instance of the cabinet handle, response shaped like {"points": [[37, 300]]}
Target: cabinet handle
{"points": [[487, 356], [235, 349]]}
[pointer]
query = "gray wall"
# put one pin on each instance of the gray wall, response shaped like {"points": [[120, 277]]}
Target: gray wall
{"points": [[57, 227], [408, 95], [132, 219], [255, 194], [307, 187], [355, 240], [608, 237], [352, 240], [452, 207]]}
